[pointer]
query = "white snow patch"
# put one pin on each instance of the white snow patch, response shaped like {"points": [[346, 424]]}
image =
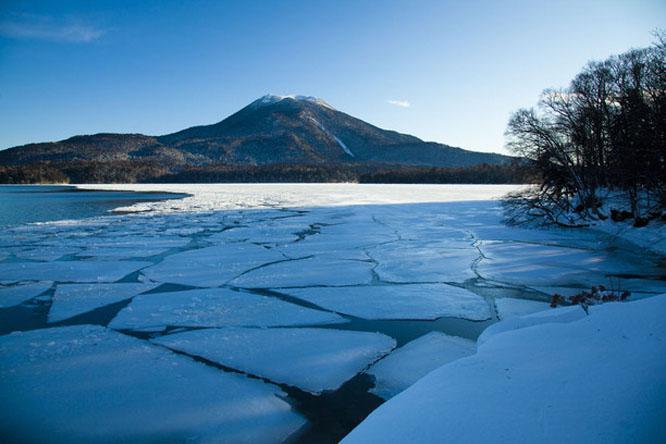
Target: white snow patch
{"points": [[272, 98], [329, 134]]}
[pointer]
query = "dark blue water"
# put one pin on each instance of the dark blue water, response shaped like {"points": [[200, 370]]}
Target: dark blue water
{"points": [[42, 203]]}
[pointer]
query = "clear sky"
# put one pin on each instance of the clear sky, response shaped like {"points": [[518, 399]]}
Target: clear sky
{"points": [[447, 71]]}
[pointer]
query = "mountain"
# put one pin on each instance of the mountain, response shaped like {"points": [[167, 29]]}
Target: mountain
{"points": [[271, 130]]}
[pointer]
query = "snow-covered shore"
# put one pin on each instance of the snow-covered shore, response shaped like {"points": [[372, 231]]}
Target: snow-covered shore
{"points": [[598, 379]]}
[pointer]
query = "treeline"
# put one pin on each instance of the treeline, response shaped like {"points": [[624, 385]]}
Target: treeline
{"points": [[121, 171], [143, 171], [29, 174], [514, 173], [604, 135]]}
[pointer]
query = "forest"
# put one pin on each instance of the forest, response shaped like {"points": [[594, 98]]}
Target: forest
{"points": [[157, 172], [598, 145]]}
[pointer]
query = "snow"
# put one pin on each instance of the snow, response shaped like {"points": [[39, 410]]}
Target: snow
{"points": [[337, 140], [560, 315], [319, 270], [343, 146], [84, 384], [270, 99], [596, 380], [211, 266], [15, 295], [215, 197], [215, 307], [73, 299], [510, 307], [420, 301], [68, 271], [411, 362], [311, 359]]}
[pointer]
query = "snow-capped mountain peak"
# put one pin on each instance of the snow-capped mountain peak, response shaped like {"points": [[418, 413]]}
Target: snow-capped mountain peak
{"points": [[269, 99]]}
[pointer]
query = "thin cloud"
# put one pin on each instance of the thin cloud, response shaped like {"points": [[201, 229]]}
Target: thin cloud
{"points": [[46, 28], [399, 103]]}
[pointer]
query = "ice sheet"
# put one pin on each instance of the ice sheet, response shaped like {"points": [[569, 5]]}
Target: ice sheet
{"points": [[73, 299], [319, 270], [216, 307], [313, 359], [211, 266], [545, 265], [14, 295], [424, 262], [68, 271], [416, 359], [86, 384], [418, 301], [44, 253]]}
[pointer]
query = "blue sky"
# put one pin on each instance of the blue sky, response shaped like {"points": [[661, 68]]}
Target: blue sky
{"points": [[447, 71]]}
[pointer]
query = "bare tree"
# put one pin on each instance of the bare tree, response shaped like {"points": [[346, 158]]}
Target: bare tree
{"points": [[606, 131]]}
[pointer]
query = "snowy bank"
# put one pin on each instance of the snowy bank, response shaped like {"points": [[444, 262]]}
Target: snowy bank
{"points": [[598, 379]]}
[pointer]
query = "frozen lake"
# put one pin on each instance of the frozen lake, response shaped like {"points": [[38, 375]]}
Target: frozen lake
{"points": [[269, 312]]}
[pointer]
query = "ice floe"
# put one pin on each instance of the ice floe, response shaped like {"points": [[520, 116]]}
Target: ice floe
{"points": [[545, 265], [68, 271], [423, 262], [417, 301], [45, 253], [416, 359], [73, 299], [211, 266], [84, 384], [312, 359], [14, 295], [107, 253], [216, 307], [319, 270]]}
